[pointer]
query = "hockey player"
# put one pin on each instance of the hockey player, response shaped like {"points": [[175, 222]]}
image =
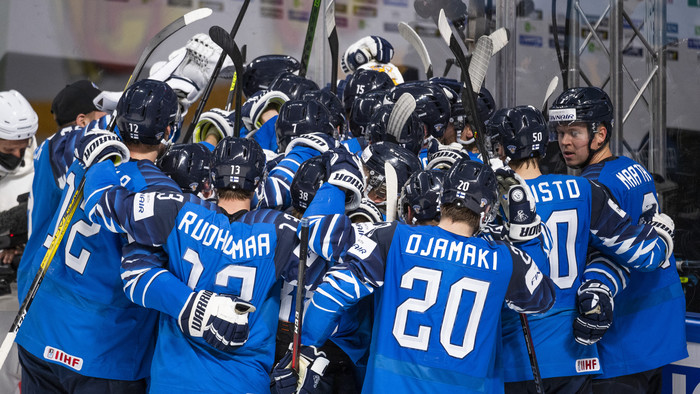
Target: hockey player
{"points": [[578, 213], [649, 317], [228, 257], [107, 343], [419, 203], [189, 165], [18, 125], [408, 135], [438, 292]]}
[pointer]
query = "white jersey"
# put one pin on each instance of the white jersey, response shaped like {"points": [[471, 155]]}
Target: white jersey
{"points": [[18, 181]]}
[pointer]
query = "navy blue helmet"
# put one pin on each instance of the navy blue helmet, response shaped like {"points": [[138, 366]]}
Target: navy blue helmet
{"points": [[472, 185], [365, 105], [332, 103], [410, 136], [145, 110], [375, 155], [485, 104], [189, 165], [239, 164], [299, 117], [261, 71], [421, 194], [293, 85], [432, 104], [363, 81], [583, 104], [521, 131], [310, 176]]}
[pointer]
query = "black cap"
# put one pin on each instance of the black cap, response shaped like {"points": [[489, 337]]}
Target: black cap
{"points": [[76, 98]]}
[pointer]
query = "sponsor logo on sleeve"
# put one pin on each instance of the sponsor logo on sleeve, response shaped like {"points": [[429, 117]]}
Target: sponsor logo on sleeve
{"points": [[143, 205], [363, 248]]}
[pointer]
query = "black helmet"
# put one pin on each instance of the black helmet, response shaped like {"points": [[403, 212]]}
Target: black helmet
{"points": [[410, 136], [308, 178], [422, 194], [363, 81], [299, 117], [521, 131], [261, 71], [375, 155], [145, 110], [432, 104], [293, 85], [472, 185], [189, 165]]}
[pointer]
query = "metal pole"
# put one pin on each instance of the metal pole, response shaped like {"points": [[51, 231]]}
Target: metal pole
{"points": [[616, 74], [505, 59], [573, 73], [658, 134]]}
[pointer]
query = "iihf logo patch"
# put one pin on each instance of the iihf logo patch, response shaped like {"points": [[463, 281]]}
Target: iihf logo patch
{"points": [[511, 148], [587, 365]]}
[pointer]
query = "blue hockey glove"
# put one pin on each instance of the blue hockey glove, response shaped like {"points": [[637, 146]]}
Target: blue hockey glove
{"points": [[343, 169], [364, 50], [310, 379], [518, 205], [595, 307], [220, 319], [98, 145]]}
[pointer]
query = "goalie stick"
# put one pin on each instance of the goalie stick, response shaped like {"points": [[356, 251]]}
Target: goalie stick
{"points": [[299, 307], [223, 39], [414, 39], [158, 39], [77, 196], [333, 44], [309, 39], [467, 96], [215, 75]]}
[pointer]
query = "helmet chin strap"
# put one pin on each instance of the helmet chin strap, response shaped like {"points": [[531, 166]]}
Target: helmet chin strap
{"points": [[592, 130]]}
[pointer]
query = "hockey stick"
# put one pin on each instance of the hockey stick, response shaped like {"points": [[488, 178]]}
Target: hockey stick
{"points": [[158, 39], [214, 75], [414, 39], [467, 96], [77, 196], [223, 39], [299, 307], [550, 89], [539, 386], [401, 111], [309, 40], [486, 47], [333, 43], [392, 191]]}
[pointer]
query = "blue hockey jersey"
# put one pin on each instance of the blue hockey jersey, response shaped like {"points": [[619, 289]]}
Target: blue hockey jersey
{"points": [[437, 306], [94, 329], [648, 329]]}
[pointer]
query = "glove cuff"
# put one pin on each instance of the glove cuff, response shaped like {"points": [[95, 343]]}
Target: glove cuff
{"points": [[525, 232]]}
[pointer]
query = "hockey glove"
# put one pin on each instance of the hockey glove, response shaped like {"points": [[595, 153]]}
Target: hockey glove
{"points": [[442, 157], [321, 142], [220, 319], [366, 212], [366, 49], [98, 145], [664, 227], [344, 170], [310, 379], [215, 121], [595, 307], [518, 206], [257, 104]]}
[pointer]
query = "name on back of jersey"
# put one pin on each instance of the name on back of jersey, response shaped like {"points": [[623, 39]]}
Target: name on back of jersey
{"points": [[453, 251], [633, 176], [208, 234], [543, 191]]}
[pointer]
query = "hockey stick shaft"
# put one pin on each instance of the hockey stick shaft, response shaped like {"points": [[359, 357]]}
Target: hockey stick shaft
{"points": [[299, 307], [539, 385], [214, 75], [333, 44], [41, 273], [467, 95], [309, 39], [392, 191], [550, 89], [223, 39], [158, 39]]}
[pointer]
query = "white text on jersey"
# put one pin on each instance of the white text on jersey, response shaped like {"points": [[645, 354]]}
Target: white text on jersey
{"points": [[440, 248]]}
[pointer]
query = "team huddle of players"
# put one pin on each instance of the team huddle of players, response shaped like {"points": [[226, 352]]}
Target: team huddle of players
{"points": [[203, 239]]}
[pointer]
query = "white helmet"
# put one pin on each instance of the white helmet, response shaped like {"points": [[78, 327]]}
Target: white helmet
{"points": [[18, 120]]}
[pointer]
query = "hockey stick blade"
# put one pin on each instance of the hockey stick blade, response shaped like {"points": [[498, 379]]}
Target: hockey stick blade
{"points": [[333, 44], [309, 39], [299, 306], [550, 89], [392, 191], [223, 39], [414, 39], [158, 39], [479, 64], [214, 75], [467, 96], [499, 39], [402, 110]]}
